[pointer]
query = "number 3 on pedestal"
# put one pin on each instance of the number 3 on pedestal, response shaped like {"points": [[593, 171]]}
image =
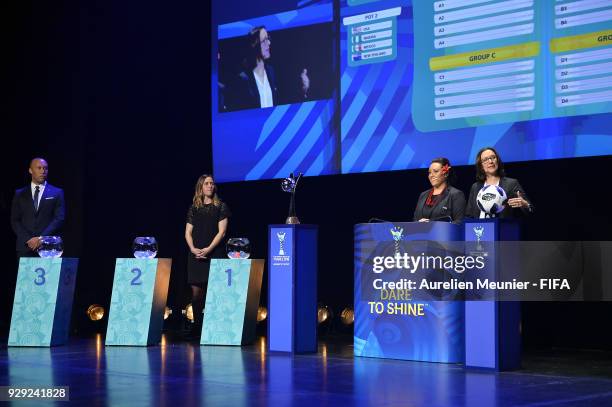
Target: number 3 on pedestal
{"points": [[40, 278]]}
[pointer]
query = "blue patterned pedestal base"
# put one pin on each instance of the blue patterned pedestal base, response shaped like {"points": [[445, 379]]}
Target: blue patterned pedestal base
{"points": [[43, 301], [140, 290], [232, 299]]}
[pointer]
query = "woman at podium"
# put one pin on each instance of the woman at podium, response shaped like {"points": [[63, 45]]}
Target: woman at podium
{"points": [[206, 226], [490, 171], [442, 202]]}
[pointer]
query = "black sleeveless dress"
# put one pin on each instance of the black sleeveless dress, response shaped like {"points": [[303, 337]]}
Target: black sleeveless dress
{"points": [[205, 221]]}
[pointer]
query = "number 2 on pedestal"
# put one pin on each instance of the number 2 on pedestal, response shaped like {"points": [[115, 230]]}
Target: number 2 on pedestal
{"points": [[136, 279]]}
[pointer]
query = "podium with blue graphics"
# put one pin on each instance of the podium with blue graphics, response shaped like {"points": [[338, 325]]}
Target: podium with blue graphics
{"points": [[492, 328], [232, 300], [43, 301], [292, 284], [389, 324], [138, 302]]}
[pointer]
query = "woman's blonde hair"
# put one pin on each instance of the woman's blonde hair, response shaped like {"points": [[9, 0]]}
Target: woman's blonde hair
{"points": [[198, 196]]}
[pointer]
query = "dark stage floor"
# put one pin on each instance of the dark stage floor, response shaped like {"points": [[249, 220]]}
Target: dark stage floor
{"points": [[180, 374]]}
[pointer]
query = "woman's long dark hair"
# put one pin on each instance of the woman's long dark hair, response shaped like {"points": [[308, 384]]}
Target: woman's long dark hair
{"points": [[254, 52], [480, 173]]}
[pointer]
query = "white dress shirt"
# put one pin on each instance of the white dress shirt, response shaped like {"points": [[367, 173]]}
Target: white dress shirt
{"points": [[264, 89], [40, 194]]}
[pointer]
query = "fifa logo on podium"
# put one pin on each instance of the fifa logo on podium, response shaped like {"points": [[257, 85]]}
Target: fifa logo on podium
{"points": [[397, 234], [281, 243]]}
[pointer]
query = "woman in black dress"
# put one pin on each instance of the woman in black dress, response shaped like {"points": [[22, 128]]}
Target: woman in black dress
{"points": [[205, 229], [443, 201], [490, 171]]}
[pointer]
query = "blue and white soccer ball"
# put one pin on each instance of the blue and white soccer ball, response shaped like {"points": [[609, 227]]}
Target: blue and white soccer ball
{"points": [[491, 199]]}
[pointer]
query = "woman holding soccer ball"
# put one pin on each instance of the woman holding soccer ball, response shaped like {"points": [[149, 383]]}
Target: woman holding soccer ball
{"points": [[494, 194], [442, 202]]}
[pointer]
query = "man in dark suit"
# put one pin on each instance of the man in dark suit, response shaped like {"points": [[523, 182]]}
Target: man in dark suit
{"points": [[37, 210]]}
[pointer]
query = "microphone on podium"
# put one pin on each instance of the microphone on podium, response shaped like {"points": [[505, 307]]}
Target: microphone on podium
{"points": [[378, 220], [446, 218]]}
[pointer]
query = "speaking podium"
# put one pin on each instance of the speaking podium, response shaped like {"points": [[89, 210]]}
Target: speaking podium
{"points": [[428, 330], [138, 302], [232, 300], [492, 328], [43, 301], [292, 285]]}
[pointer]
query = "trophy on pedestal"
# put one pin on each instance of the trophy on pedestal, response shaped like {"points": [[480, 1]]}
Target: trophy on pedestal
{"points": [[289, 184]]}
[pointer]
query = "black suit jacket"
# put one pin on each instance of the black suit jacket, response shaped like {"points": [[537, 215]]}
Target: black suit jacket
{"points": [[511, 186], [451, 203], [247, 93], [27, 223]]}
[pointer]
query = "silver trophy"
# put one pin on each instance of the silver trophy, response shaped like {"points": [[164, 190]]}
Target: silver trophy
{"points": [[478, 231], [281, 243], [289, 184]]}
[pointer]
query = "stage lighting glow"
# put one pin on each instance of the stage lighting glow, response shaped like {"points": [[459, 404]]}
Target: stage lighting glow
{"points": [[167, 312], [95, 312], [188, 312], [323, 313], [347, 316], [262, 313]]}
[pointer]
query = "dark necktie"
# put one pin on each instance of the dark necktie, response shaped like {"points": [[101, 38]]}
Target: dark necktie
{"points": [[36, 192]]}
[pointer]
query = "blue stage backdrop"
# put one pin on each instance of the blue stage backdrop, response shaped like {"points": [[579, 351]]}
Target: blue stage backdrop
{"points": [[394, 84]]}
